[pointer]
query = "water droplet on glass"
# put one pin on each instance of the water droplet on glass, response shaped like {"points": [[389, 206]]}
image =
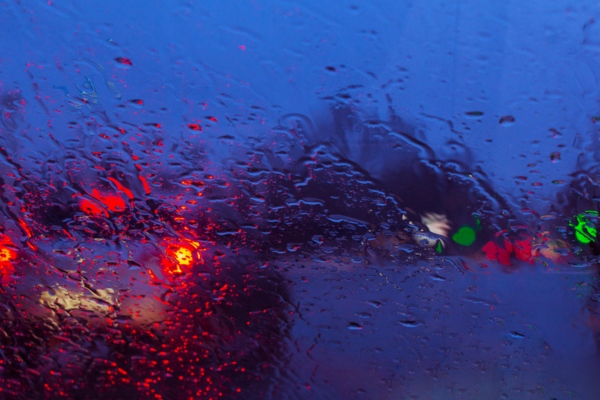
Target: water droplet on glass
{"points": [[410, 323], [353, 326], [474, 114], [507, 120]]}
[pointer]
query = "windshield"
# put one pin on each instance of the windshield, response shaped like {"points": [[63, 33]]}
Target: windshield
{"points": [[303, 200]]}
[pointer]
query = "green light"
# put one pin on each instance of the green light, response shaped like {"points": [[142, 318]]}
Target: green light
{"points": [[465, 236], [439, 248], [585, 232]]}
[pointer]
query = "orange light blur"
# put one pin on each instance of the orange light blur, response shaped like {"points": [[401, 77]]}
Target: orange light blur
{"points": [[181, 256], [8, 254]]}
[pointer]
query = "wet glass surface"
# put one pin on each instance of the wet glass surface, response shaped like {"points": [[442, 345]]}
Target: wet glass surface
{"points": [[299, 200]]}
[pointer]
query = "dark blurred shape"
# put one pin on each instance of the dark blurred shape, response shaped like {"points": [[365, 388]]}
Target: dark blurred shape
{"points": [[399, 163], [222, 335]]}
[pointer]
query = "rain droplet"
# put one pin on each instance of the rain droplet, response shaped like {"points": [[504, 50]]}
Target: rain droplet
{"points": [[353, 326], [474, 113], [375, 304], [507, 120], [410, 324], [554, 133], [293, 247], [438, 278], [124, 61]]}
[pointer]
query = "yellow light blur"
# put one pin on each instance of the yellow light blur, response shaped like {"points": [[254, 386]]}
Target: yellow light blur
{"points": [[183, 256], [5, 255]]}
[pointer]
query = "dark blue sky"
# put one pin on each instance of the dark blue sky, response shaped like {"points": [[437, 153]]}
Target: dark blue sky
{"points": [[435, 61]]}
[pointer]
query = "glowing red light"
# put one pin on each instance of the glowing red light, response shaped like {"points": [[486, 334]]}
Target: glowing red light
{"points": [[104, 202], [113, 202], [122, 188], [145, 184], [523, 250], [195, 127], [494, 252], [91, 208]]}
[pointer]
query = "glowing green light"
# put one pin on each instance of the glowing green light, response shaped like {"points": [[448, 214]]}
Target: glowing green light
{"points": [[439, 248], [465, 236], [585, 232]]}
